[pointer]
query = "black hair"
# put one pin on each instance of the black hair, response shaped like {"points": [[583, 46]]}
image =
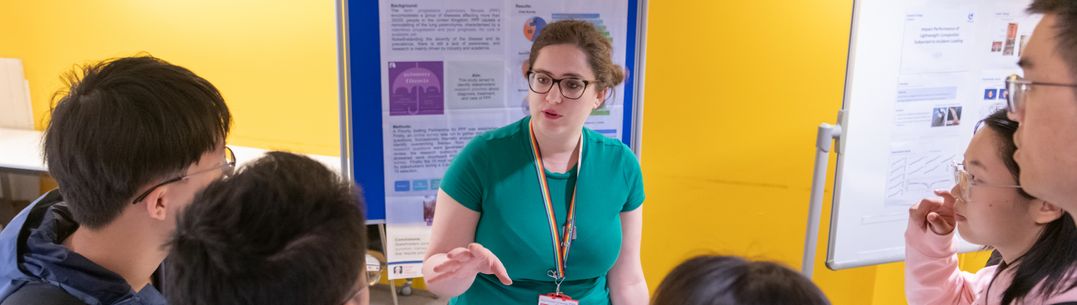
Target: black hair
{"points": [[284, 230], [125, 123], [1052, 259], [1001, 124], [1066, 23], [727, 280]]}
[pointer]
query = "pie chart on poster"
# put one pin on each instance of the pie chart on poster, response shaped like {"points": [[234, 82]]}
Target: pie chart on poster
{"points": [[532, 27]]}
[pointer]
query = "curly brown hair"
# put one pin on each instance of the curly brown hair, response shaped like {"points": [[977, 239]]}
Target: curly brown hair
{"points": [[590, 40]]}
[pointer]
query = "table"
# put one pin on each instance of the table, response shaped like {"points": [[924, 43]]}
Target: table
{"points": [[20, 152]]}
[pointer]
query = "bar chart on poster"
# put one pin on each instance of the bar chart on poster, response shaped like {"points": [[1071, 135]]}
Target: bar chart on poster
{"points": [[921, 74], [424, 77]]}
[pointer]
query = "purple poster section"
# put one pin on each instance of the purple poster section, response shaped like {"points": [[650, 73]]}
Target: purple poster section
{"points": [[416, 87]]}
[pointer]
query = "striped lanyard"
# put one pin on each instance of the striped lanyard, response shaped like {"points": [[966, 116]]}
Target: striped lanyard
{"points": [[561, 243]]}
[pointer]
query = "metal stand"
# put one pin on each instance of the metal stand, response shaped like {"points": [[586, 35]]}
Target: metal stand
{"points": [[827, 134], [385, 246], [406, 290]]}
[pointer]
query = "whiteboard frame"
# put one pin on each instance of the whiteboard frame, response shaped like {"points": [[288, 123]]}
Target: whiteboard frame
{"points": [[861, 134]]}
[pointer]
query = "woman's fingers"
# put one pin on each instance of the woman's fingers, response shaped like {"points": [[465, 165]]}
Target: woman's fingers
{"points": [[500, 272], [940, 224], [470, 260], [918, 212], [456, 260], [474, 258], [447, 265], [445, 270], [438, 276], [493, 264], [460, 254], [948, 198]]}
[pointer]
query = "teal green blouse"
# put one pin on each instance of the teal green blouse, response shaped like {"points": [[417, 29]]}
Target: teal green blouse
{"points": [[495, 175]]}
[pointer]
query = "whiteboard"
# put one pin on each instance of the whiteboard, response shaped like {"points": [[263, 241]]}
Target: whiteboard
{"points": [[920, 75]]}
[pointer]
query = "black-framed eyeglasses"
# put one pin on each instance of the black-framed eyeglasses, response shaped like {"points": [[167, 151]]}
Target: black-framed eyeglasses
{"points": [[965, 182], [1017, 89], [227, 169], [542, 83]]}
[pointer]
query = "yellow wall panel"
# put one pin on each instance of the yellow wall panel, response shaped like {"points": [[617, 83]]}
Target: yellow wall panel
{"points": [[734, 92], [274, 61]]}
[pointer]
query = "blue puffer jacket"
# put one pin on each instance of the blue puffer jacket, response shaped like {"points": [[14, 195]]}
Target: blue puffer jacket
{"points": [[31, 252]]}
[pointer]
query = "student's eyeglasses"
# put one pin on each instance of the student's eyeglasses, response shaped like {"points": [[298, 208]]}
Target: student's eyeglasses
{"points": [[353, 295], [966, 181], [227, 169], [542, 83], [1017, 89]]}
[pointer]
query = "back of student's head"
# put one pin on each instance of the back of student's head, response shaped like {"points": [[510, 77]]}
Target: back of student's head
{"points": [[122, 124], [727, 280], [284, 230]]}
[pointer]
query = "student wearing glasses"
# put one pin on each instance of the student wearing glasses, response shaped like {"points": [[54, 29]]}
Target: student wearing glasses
{"points": [[1034, 238], [130, 143], [1044, 101], [545, 210]]}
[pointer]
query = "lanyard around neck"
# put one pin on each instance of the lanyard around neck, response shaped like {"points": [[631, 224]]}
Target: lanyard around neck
{"points": [[561, 243]]}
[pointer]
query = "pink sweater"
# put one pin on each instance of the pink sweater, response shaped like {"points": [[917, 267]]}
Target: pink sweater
{"points": [[932, 276]]}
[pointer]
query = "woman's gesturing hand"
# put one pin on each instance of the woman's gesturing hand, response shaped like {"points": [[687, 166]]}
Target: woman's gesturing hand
{"points": [[470, 260]]}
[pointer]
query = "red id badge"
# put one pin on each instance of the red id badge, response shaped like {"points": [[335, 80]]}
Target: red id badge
{"points": [[556, 299]]}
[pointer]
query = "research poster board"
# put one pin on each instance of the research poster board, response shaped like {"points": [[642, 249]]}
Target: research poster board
{"points": [[921, 74], [426, 76]]}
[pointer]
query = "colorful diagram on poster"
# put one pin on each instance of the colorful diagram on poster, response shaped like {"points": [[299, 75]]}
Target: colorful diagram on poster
{"points": [[532, 27], [416, 88]]}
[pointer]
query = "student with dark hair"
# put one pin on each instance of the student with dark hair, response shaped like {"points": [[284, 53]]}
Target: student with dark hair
{"points": [[727, 280], [130, 143], [284, 230], [1044, 101], [1036, 240]]}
